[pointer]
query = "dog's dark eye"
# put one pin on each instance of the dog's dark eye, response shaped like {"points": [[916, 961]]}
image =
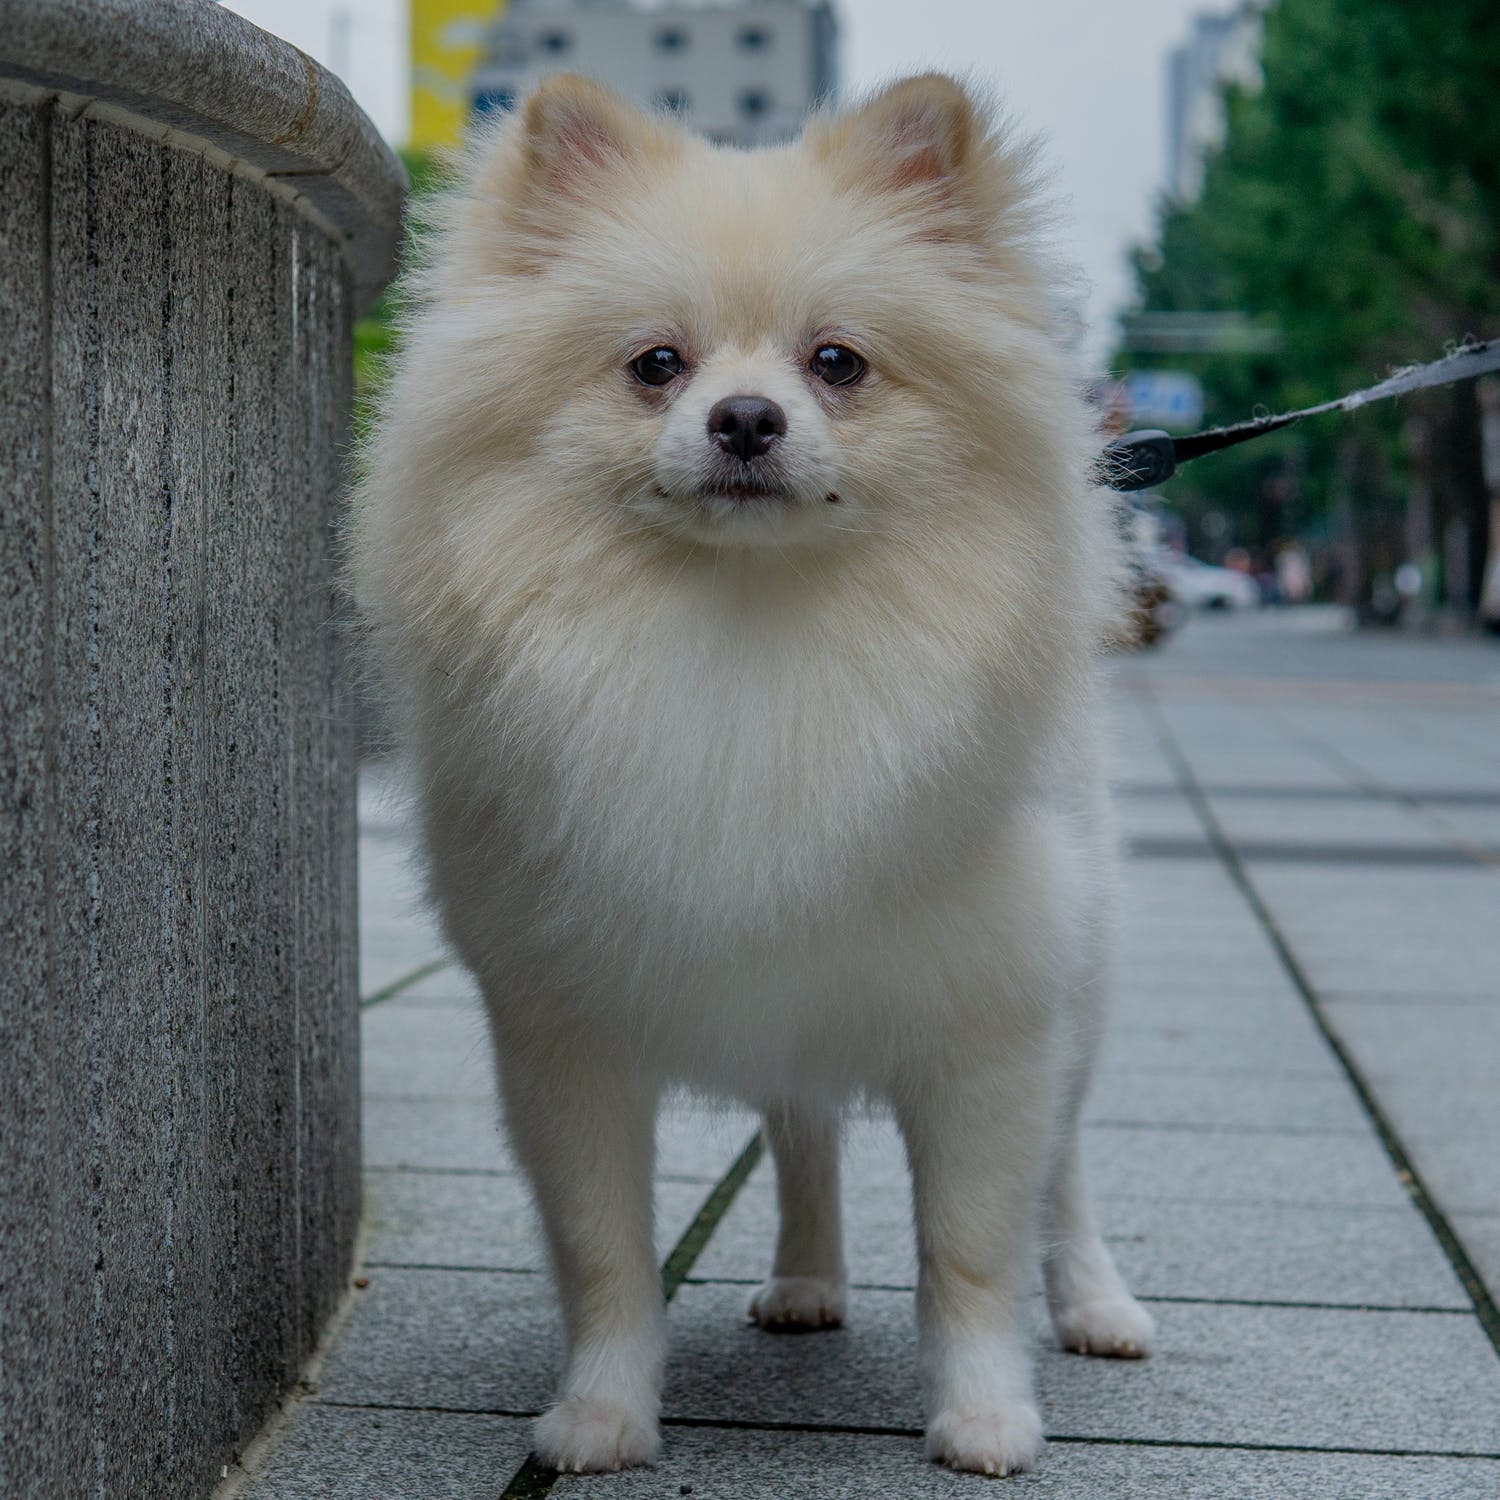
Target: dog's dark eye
{"points": [[833, 364], [657, 366]]}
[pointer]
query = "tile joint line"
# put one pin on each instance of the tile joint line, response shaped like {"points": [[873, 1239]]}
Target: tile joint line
{"points": [[406, 982]]}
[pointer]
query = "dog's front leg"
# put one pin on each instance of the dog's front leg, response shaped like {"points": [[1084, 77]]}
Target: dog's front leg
{"points": [[976, 1130], [581, 1119]]}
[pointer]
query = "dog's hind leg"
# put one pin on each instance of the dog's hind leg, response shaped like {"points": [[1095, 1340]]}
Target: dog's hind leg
{"points": [[581, 1119], [1092, 1309], [808, 1285]]}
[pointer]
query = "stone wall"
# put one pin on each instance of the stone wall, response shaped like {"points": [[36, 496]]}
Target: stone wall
{"points": [[178, 1002]]}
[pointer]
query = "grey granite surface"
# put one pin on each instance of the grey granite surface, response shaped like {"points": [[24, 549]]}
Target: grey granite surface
{"points": [[197, 74], [178, 965]]}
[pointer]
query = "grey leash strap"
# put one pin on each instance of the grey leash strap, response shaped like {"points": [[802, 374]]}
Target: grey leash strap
{"points": [[1142, 459]]}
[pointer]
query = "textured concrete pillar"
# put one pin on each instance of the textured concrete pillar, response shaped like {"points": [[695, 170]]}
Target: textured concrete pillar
{"points": [[191, 214]]}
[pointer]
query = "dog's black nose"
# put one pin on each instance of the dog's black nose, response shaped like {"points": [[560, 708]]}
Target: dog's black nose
{"points": [[746, 425]]}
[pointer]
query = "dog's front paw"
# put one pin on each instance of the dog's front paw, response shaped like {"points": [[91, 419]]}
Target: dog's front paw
{"points": [[1115, 1327], [999, 1442], [786, 1303], [586, 1436]]}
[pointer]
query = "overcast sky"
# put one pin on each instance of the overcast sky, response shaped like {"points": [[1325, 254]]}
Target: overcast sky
{"points": [[1088, 74]]}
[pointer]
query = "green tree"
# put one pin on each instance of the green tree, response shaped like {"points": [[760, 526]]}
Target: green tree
{"points": [[374, 334], [1355, 205]]}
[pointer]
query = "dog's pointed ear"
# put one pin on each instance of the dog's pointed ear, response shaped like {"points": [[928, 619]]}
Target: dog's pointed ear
{"points": [[941, 162], [918, 133], [575, 131], [570, 148]]}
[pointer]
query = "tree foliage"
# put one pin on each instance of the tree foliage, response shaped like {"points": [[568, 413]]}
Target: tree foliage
{"points": [[1355, 206], [373, 334]]}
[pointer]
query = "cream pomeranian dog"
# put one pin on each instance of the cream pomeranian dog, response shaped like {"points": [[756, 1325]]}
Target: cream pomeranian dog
{"points": [[732, 546]]}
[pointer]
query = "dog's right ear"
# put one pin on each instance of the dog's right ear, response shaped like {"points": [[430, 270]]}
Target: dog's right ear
{"points": [[571, 144], [574, 132]]}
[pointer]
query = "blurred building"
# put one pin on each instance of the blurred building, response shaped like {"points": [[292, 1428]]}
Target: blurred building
{"points": [[447, 42], [739, 71], [1221, 49]]}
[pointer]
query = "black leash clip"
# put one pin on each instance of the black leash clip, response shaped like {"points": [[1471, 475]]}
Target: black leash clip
{"points": [[1142, 459], [1139, 460]]}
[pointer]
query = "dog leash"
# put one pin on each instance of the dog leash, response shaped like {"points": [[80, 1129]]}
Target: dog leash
{"points": [[1149, 457]]}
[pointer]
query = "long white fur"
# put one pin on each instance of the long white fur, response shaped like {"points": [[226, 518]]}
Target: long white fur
{"points": [[798, 801]]}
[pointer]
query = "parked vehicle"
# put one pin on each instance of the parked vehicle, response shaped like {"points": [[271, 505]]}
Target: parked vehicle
{"points": [[1200, 585]]}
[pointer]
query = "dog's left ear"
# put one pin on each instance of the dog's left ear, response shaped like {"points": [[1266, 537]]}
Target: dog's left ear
{"points": [[928, 145], [576, 133], [571, 147]]}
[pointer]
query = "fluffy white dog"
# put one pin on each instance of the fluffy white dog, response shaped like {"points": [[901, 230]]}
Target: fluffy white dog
{"points": [[730, 539]]}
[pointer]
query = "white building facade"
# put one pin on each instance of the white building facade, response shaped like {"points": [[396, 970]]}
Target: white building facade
{"points": [[744, 72], [1221, 49]]}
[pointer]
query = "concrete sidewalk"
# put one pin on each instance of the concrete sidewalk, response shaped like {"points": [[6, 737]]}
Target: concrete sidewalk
{"points": [[1294, 1141]]}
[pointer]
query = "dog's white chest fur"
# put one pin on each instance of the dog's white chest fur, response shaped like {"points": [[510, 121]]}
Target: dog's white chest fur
{"points": [[735, 770]]}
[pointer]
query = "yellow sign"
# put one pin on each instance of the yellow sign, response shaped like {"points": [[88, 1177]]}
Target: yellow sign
{"points": [[447, 42]]}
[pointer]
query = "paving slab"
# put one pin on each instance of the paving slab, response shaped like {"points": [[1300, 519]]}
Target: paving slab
{"points": [[1387, 965], [1176, 1249], [1135, 756], [1443, 903], [1451, 1128], [1273, 1011], [457, 1340], [1490, 997], [1260, 764], [1280, 1253], [379, 968], [1201, 969], [390, 886], [1197, 977], [1480, 1234], [451, 985], [725, 1463], [1302, 1377], [1342, 1171], [1186, 937], [1303, 1303], [1430, 749], [337, 1453], [482, 1222], [464, 1134], [1185, 888], [1461, 1169], [413, 1050], [879, 1244], [445, 986], [1442, 1045], [439, 1134], [1143, 819], [1203, 1049], [1308, 821], [1345, 1170], [1212, 1100]]}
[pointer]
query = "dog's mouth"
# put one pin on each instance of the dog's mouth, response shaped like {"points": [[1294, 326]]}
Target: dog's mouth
{"points": [[753, 494], [738, 493]]}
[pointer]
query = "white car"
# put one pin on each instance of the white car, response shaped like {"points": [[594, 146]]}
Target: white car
{"points": [[1200, 585]]}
